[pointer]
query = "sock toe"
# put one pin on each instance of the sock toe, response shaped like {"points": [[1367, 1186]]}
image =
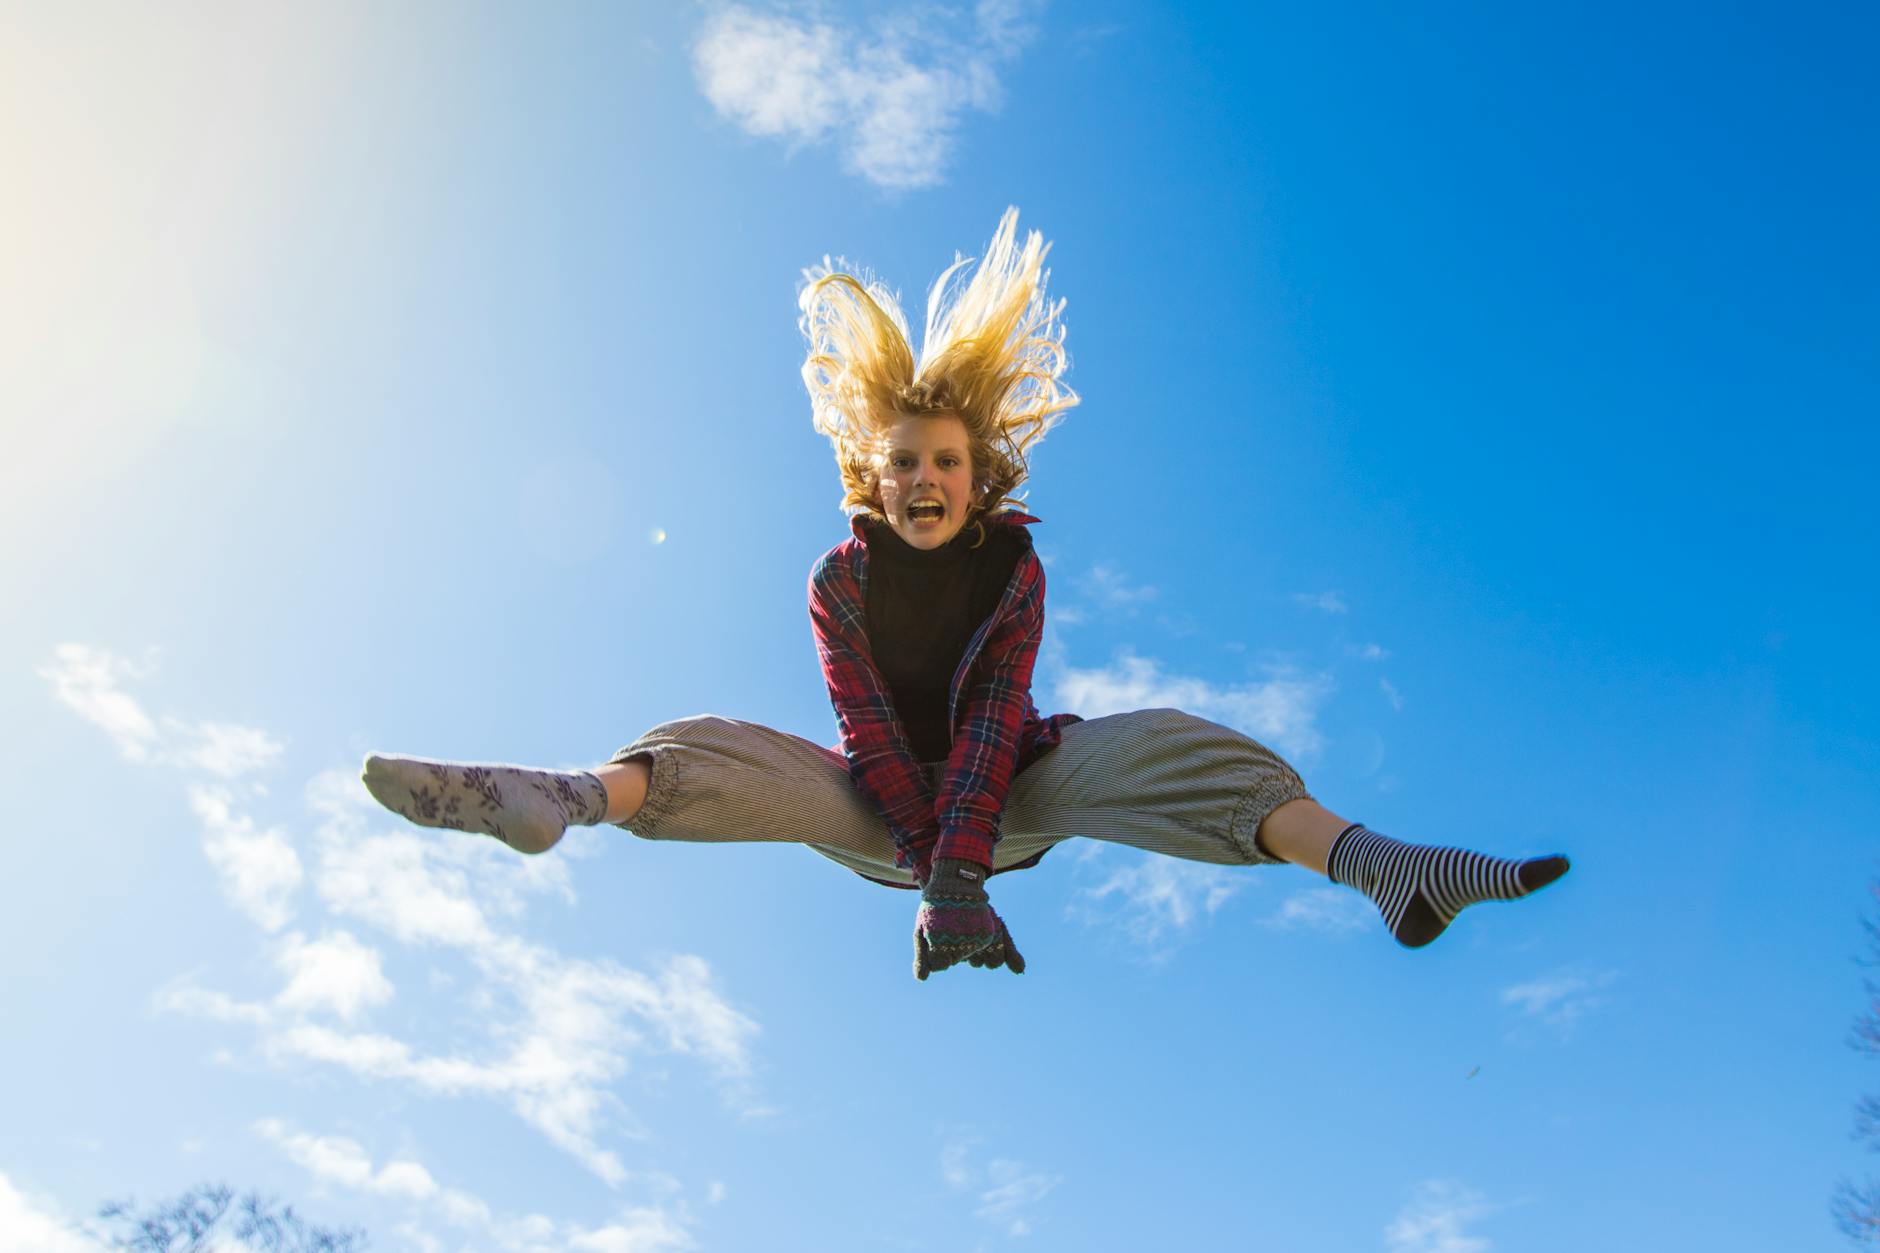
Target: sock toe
{"points": [[376, 775], [1541, 871]]}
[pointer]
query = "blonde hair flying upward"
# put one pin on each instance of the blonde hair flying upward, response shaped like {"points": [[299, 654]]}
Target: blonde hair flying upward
{"points": [[992, 353]]}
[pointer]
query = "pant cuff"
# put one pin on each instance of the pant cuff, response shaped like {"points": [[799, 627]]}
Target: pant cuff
{"points": [[1262, 799], [662, 789]]}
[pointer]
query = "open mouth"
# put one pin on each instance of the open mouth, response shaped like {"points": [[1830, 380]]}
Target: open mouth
{"points": [[926, 511]]}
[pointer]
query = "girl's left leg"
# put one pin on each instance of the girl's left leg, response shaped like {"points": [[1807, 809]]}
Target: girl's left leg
{"points": [[1301, 831], [1168, 782], [1418, 889]]}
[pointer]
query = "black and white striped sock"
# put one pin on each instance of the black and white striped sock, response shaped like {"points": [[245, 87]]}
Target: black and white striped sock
{"points": [[1420, 889]]}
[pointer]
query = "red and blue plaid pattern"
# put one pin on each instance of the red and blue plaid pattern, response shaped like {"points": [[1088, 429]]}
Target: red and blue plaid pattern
{"points": [[996, 729]]}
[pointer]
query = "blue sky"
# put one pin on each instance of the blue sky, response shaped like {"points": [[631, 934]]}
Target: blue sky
{"points": [[1478, 406]]}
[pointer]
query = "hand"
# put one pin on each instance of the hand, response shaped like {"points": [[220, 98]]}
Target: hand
{"points": [[957, 924]]}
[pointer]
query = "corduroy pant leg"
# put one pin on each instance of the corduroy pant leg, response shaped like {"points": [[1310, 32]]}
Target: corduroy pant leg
{"points": [[1155, 779], [719, 780]]}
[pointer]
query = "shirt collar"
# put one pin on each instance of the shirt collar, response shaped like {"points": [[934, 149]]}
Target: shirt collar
{"points": [[859, 523]]}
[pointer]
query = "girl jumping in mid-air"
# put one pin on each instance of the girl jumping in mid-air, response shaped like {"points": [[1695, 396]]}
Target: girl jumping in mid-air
{"points": [[927, 622]]}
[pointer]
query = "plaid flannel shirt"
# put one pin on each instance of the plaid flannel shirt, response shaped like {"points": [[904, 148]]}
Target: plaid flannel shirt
{"points": [[996, 729]]}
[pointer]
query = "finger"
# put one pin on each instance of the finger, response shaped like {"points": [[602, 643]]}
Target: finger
{"points": [[921, 966], [1014, 960]]}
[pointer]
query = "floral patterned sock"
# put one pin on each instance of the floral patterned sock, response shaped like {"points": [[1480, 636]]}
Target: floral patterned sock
{"points": [[525, 809]]}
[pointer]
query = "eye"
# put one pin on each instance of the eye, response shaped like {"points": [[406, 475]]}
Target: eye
{"points": [[901, 463], [949, 462]]}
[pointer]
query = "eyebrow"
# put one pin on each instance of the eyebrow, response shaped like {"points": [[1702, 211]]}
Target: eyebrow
{"points": [[937, 452]]}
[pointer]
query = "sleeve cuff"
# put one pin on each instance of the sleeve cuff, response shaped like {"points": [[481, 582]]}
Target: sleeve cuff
{"points": [[965, 846]]}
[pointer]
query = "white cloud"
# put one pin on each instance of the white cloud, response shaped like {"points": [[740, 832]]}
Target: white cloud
{"points": [[956, 1164], [259, 870], [1391, 694], [1009, 1192], [1560, 999], [89, 681], [31, 1225], [890, 99], [1160, 894], [184, 997], [343, 1162], [1110, 588], [561, 1030], [1335, 911], [697, 1020], [1324, 602], [1433, 1221], [338, 1160], [558, 1033], [335, 973], [223, 749], [1372, 652], [1016, 1189], [645, 1229], [1282, 711], [413, 885]]}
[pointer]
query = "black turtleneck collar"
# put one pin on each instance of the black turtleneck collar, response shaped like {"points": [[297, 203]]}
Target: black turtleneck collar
{"points": [[886, 543]]}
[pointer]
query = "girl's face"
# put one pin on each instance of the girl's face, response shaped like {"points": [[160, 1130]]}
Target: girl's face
{"points": [[927, 479]]}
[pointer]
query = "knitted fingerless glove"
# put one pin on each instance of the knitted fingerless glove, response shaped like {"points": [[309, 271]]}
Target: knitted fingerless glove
{"points": [[956, 922]]}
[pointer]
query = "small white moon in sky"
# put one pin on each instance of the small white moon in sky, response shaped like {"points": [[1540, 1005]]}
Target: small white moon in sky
{"points": [[657, 536]]}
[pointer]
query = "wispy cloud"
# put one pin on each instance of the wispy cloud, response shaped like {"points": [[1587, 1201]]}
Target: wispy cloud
{"points": [[343, 1162], [338, 1160], [1561, 999], [1156, 898], [1281, 711], [1391, 694], [1008, 1191], [1369, 652], [1324, 602], [558, 1033], [1434, 1221], [89, 681], [1015, 1190], [1111, 589], [334, 974], [31, 1225], [1084, 39], [890, 98], [259, 870], [1333, 911]]}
